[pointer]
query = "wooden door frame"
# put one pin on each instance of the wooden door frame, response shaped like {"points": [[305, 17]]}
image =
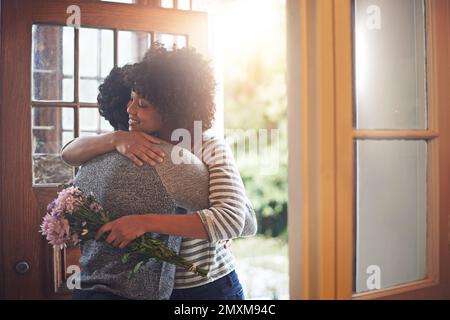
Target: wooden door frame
{"points": [[321, 155], [17, 16], [22, 205], [312, 148]]}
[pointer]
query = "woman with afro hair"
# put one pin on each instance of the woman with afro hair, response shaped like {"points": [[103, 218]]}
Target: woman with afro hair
{"points": [[168, 91]]}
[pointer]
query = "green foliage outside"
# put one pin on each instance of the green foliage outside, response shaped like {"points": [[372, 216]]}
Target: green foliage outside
{"points": [[255, 98]]}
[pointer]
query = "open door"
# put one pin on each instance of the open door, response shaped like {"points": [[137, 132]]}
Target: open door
{"points": [[398, 164], [49, 78], [372, 219]]}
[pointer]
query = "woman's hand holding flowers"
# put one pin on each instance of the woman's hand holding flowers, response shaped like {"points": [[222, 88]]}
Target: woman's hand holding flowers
{"points": [[123, 230]]}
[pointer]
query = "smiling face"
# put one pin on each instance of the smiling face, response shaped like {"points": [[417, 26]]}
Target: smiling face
{"points": [[142, 115]]}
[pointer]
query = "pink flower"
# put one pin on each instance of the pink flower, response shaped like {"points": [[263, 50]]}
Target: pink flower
{"points": [[56, 230], [51, 206], [68, 199]]}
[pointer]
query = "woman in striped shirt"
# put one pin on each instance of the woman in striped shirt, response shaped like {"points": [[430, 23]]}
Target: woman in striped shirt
{"points": [[172, 90]]}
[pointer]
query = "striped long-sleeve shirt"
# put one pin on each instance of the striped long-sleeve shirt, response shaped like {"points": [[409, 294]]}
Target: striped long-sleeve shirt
{"points": [[229, 216]]}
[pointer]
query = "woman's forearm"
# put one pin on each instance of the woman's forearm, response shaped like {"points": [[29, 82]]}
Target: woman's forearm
{"points": [[183, 225], [83, 149]]}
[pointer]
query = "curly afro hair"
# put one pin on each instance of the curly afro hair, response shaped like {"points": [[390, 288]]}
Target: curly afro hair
{"points": [[178, 83], [113, 97]]}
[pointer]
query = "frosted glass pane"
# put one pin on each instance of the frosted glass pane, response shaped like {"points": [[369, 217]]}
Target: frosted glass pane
{"points": [[180, 42], [89, 119], [169, 41], [390, 64], [107, 52], [67, 86], [89, 90], [89, 52], [390, 212], [105, 126], [96, 60], [201, 5], [184, 4], [52, 63], [91, 123], [88, 133], [167, 3], [132, 46], [67, 119], [68, 52]]}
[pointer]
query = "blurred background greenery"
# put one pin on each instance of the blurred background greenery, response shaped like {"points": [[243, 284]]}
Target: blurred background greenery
{"points": [[254, 71], [255, 98]]}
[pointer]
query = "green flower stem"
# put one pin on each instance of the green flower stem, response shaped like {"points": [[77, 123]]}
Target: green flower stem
{"points": [[151, 248]]}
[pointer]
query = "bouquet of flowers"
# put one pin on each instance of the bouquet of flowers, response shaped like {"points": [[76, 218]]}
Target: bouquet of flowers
{"points": [[74, 217]]}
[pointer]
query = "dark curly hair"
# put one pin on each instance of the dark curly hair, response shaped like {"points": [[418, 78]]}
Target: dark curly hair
{"points": [[178, 83], [113, 97]]}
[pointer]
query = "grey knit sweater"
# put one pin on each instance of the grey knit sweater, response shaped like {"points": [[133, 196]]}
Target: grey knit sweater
{"points": [[122, 187]]}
